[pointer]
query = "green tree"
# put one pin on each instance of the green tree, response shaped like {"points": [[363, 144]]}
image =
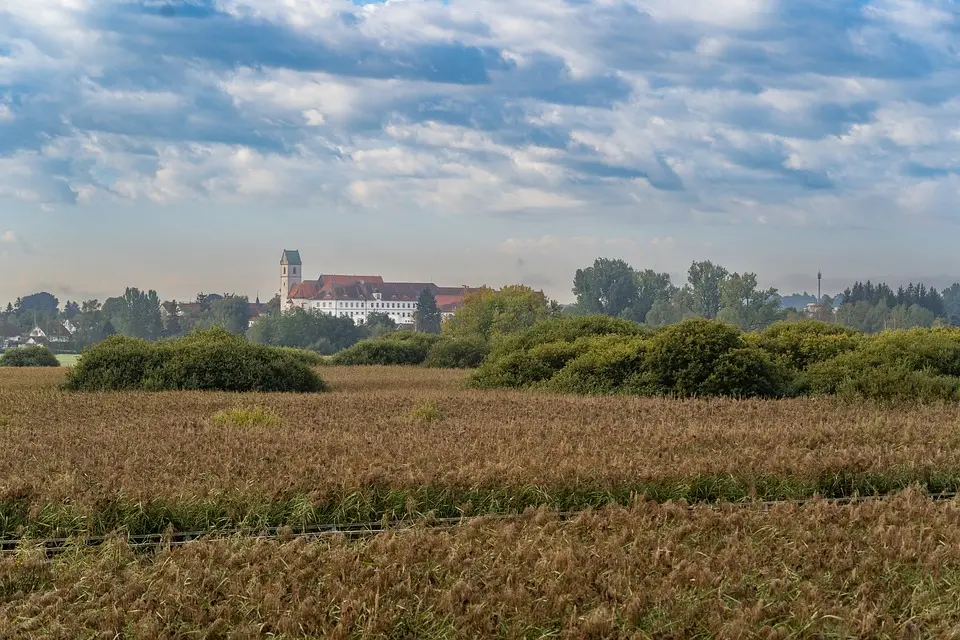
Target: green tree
{"points": [[379, 324], [427, 317], [306, 330], [489, 313], [136, 314], [651, 288], [232, 312], [705, 279], [746, 306], [70, 310], [92, 324], [609, 287], [43, 304]]}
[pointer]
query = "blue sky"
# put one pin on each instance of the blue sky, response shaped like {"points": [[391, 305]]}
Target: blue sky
{"points": [[181, 145]]}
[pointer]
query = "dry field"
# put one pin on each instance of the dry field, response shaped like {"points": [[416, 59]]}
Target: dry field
{"points": [[402, 442], [882, 570]]}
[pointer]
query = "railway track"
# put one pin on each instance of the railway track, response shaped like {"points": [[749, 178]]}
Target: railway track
{"points": [[146, 542]]}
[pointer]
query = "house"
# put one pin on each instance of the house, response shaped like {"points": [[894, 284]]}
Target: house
{"points": [[58, 336], [180, 309], [357, 296]]}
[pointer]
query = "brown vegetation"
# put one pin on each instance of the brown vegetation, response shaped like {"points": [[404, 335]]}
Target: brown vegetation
{"points": [[67, 459], [881, 570]]}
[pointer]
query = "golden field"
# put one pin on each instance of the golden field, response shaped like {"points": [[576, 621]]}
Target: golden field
{"points": [[401, 442], [406, 441], [882, 570]]}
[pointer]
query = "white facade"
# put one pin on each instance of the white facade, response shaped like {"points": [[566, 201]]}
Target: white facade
{"points": [[401, 312], [290, 276]]}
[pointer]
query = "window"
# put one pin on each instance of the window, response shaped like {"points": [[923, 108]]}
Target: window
{"points": [[294, 271], [284, 271]]}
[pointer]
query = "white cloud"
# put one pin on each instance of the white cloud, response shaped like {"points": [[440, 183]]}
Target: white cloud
{"points": [[8, 237], [6, 114]]}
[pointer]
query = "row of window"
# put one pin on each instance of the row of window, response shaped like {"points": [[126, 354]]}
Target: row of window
{"points": [[372, 305], [353, 314]]}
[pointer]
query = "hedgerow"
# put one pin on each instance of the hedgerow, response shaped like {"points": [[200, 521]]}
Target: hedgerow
{"points": [[32, 356], [208, 360], [698, 357], [412, 348]]}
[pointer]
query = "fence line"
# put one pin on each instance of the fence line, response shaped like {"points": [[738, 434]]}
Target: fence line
{"points": [[54, 546]]}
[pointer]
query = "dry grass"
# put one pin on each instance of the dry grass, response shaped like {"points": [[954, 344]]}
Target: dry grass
{"points": [[73, 461], [883, 570]]}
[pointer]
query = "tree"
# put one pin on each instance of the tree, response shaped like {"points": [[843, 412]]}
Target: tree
{"points": [[489, 313], [136, 314], [705, 279], [677, 307], [379, 324], [427, 317], [608, 287], [92, 324], [746, 306], [43, 303], [274, 304], [70, 310], [231, 312], [311, 330], [651, 287]]}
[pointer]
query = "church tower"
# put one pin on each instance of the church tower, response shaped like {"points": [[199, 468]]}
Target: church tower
{"points": [[291, 273]]}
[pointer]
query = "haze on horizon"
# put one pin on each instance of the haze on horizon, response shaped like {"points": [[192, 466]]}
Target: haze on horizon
{"points": [[181, 145]]}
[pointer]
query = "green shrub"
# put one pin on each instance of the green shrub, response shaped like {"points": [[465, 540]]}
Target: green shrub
{"points": [[568, 329], [747, 373], [457, 353], [604, 367], [212, 359], [31, 356], [683, 356], [426, 411], [307, 357], [801, 344], [380, 351], [892, 384]]}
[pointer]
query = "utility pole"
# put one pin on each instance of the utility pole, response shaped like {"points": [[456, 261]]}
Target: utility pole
{"points": [[819, 278]]}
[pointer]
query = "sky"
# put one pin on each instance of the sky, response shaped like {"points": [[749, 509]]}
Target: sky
{"points": [[182, 145]]}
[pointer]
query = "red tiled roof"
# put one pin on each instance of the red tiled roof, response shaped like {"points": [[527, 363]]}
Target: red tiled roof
{"points": [[334, 279], [342, 287]]}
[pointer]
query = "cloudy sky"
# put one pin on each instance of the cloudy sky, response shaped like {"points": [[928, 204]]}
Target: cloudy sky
{"points": [[181, 145]]}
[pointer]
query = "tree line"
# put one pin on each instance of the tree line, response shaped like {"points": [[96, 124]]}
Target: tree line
{"points": [[614, 288], [141, 314], [609, 287]]}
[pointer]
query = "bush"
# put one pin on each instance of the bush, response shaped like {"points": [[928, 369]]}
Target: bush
{"points": [[208, 360], [309, 358], [747, 373], [383, 351], [807, 342], [683, 356], [604, 367], [457, 353], [29, 357], [568, 329]]}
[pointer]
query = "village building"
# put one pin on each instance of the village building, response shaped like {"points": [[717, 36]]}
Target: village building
{"points": [[357, 296], [58, 336]]}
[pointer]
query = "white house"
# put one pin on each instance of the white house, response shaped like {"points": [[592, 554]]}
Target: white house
{"points": [[356, 297]]}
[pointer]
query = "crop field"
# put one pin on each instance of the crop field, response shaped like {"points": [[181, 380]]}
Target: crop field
{"points": [[395, 442], [390, 443]]}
